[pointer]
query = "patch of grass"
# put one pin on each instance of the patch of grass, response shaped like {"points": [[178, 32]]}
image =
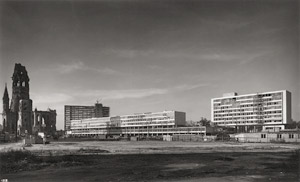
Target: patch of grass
{"points": [[288, 164], [17, 160], [224, 158], [21, 160], [92, 151], [16, 156]]}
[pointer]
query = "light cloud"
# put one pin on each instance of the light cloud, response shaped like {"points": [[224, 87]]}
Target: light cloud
{"points": [[122, 94], [68, 68], [70, 97], [255, 57], [50, 98], [128, 53], [155, 67], [136, 93], [186, 87], [207, 55], [222, 56], [80, 66]]}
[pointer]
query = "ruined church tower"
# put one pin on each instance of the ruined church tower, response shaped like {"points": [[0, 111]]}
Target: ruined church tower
{"points": [[18, 117], [21, 104], [6, 111]]}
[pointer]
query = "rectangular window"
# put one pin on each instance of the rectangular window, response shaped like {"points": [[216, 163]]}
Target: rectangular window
{"points": [[291, 135], [263, 135], [278, 135]]}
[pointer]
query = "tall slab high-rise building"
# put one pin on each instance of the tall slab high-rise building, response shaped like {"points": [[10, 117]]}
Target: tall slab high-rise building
{"points": [[77, 112], [253, 112]]}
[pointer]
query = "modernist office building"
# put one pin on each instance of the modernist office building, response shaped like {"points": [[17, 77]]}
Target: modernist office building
{"points": [[143, 124], [75, 112], [253, 112]]}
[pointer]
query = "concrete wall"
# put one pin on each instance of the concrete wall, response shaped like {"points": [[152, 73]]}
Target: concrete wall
{"points": [[188, 138], [268, 137], [167, 138], [288, 107], [25, 117]]}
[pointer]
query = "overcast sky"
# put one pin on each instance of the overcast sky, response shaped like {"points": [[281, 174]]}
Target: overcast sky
{"points": [[147, 55]]}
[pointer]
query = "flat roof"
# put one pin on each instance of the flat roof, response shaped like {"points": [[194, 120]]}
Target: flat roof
{"points": [[250, 94]]}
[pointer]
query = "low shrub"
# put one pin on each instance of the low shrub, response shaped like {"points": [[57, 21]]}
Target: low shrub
{"points": [[16, 160]]}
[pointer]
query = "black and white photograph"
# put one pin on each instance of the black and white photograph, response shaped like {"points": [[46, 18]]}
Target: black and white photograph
{"points": [[150, 90]]}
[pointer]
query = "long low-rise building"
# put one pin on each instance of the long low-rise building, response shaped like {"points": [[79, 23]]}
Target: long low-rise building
{"points": [[142, 124], [281, 136]]}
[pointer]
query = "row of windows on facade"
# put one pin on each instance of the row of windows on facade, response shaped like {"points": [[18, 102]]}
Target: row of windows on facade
{"points": [[280, 136], [80, 108], [146, 115], [145, 127], [248, 113], [78, 115], [226, 108], [150, 123], [248, 105], [119, 122], [254, 96], [80, 111], [88, 125], [74, 112], [126, 128], [102, 121], [243, 118], [248, 109], [131, 131], [233, 101], [148, 119], [264, 114], [255, 121], [145, 118], [238, 103], [81, 116], [124, 131], [137, 120], [75, 108], [135, 123]]}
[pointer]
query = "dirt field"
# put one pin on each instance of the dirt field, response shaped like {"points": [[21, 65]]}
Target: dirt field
{"points": [[148, 147], [162, 161]]}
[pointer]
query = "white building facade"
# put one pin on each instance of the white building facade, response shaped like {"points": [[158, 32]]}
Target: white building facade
{"points": [[142, 124], [253, 112]]}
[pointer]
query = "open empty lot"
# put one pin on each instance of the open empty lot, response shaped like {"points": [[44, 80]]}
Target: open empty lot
{"points": [[159, 161], [148, 147]]}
